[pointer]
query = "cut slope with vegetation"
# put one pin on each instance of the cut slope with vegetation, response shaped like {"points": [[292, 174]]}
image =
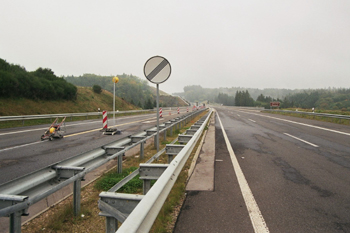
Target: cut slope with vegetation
{"points": [[131, 88], [86, 101], [42, 84]]}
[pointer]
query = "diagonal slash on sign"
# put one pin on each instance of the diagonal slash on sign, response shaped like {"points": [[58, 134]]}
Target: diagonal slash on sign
{"points": [[156, 70]]}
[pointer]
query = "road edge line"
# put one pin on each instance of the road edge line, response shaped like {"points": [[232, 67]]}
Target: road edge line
{"points": [[255, 215]]}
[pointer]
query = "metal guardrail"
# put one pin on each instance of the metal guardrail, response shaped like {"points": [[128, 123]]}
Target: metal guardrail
{"points": [[336, 116], [47, 116], [18, 195], [138, 212], [86, 114]]}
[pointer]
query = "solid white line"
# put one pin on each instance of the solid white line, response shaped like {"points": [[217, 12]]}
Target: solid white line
{"points": [[301, 140], [255, 215], [238, 115], [294, 122], [251, 120]]}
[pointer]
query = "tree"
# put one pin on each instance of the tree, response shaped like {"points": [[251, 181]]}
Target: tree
{"points": [[225, 99], [97, 89]]}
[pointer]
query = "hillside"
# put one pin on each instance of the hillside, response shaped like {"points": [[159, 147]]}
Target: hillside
{"points": [[130, 87], [87, 101]]}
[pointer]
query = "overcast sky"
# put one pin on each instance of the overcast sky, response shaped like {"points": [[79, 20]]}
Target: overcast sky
{"points": [[223, 43]]}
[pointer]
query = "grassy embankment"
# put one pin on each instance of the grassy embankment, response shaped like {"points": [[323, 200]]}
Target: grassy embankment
{"points": [[87, 101], [60, 218], [319, 118]]}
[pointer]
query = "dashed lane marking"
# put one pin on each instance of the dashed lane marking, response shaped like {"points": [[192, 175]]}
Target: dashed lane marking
{"points": [[301, 140]]}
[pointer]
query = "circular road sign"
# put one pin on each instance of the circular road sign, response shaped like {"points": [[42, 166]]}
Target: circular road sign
{"points": [[157, 69]]}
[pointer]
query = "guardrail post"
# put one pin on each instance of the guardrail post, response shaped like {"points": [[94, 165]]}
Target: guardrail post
{"points": [[113, 150], [15, 222], [172, 150], [142, 148], [150, 172], [146, 186], [111, 225], [76, 196], [116, 207], [15, 217]]}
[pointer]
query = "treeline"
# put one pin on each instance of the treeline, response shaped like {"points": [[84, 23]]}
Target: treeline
{"points": [[131, 88], [331, 99], [42, 84], [328, 99], [196, 93]]}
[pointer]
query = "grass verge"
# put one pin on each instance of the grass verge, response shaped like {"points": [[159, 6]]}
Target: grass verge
{"points": [[314, 117]]}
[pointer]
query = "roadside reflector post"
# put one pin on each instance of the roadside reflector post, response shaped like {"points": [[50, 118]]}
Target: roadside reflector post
{"points": [[104, 120]]}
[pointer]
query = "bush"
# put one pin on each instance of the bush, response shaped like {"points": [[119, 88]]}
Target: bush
{"points": [[97, 89]]}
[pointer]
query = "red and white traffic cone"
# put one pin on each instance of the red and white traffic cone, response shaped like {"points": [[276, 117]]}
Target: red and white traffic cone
{"points": [[104, 120]]}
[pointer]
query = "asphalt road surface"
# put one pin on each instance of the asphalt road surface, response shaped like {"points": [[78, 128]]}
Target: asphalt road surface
{"points": [[285, 174], [22, 152]]}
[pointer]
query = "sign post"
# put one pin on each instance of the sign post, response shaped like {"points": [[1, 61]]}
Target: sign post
{"points": [[157, 70], [113, 130], [115, 80]]}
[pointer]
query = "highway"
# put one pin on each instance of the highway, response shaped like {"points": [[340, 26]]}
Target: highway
{"points": [[297, 171], [22, 151], [273, 173]]}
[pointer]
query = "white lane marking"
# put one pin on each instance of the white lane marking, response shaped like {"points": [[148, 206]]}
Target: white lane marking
{"points": [[15, 147], [298, 123], [255, 215], [146, 122], [83, 123], [219, 160], [301, 140], [251, 120], [238, 115]]}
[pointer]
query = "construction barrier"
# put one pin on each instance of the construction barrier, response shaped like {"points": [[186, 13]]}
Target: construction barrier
{"points": [[104, 120], [160, 112]]}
